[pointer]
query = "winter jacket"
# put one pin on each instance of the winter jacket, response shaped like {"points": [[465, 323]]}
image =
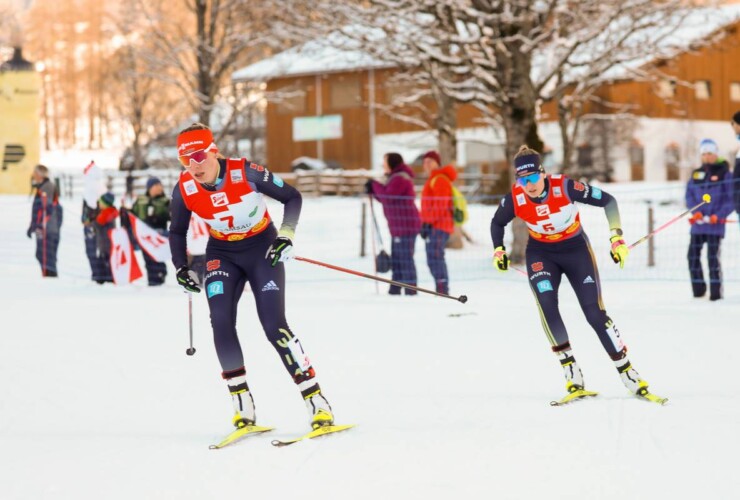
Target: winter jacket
{"points": [[715, 180], [397, 196], [155, 211], [736, 180], [436, 199], [46, 211]]}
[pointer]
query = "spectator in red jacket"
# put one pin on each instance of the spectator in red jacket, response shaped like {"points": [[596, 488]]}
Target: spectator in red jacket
{"points": [[104, 222], [436, 216]]}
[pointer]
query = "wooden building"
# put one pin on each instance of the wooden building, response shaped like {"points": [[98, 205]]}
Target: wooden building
{"points": [[323, 103]]}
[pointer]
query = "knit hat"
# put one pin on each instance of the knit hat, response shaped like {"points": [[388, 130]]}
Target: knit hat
{"points": [[527, 165], [708, 146], [151, 182], [107, 199], [736, 118], [434, 156]]}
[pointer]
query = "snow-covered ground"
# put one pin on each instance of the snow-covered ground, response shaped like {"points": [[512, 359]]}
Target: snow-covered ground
{"points": [[99, 399]]}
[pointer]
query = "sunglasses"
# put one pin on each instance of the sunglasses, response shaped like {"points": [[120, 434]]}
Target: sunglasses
{"points": [[533, 178], [197, 156]]}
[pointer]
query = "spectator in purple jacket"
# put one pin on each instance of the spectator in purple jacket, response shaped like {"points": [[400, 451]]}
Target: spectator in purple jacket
{"points": [[397, 197], [708, 221]]}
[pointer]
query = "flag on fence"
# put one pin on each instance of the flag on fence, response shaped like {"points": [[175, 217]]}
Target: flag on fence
{"points": [[123, 264], [150, 241], [197, 236]]}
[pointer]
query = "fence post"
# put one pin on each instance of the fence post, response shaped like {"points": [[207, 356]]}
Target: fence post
{"points": [[651, 241], [363, 228]]}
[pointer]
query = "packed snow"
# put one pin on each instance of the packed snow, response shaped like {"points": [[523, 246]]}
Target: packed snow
{"points": [[450, 400]]}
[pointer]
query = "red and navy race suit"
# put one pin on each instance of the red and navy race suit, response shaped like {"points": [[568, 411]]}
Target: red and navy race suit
{"points": [[46, 222], [241, 232], [557, 245]]}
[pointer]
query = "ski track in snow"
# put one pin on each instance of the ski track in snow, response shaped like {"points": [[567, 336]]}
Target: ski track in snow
{"points": [[99, 399]]}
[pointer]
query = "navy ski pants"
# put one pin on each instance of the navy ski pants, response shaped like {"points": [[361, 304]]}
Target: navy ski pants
{"points": [[402, 263], [698, 284], [546, 265], [436, 259], [230, 265]]}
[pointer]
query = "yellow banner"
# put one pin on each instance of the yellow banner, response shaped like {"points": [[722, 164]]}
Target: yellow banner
{"points": [[19, 130]]}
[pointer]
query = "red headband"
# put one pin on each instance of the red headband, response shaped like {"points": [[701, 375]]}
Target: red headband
{"points": [[194, 140]]}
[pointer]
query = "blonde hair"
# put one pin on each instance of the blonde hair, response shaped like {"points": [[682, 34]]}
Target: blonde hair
{"points": [[525, 150], [195, 126]]}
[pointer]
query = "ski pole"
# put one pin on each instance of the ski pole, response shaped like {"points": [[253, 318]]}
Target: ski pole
{"points": [[190, 350], [705, 199], [462, 298], [376, 234]]}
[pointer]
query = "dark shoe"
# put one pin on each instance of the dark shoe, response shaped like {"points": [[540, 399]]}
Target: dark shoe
{"points": [[51, 274], [409, 291], [700, 289], [715, 291], [394, 290]]}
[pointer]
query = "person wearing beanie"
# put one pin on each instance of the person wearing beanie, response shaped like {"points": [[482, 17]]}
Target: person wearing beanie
{"points": [[153, 208], [735, 123], [397, 196], [46, 220], [558, 246], [244, 248], [708, 221], [437, 216], [103, 223]]}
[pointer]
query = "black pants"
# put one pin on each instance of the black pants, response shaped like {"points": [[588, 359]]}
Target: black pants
{"points": [[46, 252], [229, 267], [546, 265], [698, 285]]}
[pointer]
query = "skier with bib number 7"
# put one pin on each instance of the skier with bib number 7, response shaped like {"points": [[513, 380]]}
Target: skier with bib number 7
{"points": [[558, 246], [243, 247]]}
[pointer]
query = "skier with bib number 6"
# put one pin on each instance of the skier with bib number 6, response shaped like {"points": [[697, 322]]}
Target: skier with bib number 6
{"points": [[243, 247], [558, 246]]}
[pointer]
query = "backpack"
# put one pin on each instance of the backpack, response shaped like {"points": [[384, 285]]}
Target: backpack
{"points": [[459, 204]]}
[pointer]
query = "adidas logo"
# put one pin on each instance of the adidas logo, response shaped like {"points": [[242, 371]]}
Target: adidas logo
{"points": [[270, 286], [588, 279]]}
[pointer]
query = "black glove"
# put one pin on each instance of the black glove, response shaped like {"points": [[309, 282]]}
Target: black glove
{"points": [[369, 186], [186, 279], [426, 230], [29, 233], [280, 250]]}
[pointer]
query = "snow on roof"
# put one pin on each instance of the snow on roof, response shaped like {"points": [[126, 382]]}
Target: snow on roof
{"points": [[333, 53]]}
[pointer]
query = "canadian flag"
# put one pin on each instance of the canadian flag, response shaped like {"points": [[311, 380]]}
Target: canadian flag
{"points": [[150, 241], [123, 264], [197, 236]]}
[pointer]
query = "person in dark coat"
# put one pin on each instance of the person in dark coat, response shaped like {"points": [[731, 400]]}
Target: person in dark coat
{"points": [[736, 173], [708, 222], [397, 197], [46, 221], [104, 221], [153, 208]]}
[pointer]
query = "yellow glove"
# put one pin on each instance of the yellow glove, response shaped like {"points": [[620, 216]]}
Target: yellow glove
{"points": [[619, 251], [500, 259]]}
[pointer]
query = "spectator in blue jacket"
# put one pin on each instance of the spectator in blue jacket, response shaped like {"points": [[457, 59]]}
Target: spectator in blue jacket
{"points": [[46, 221], [708, 222], [397, 197], [736, 174]]}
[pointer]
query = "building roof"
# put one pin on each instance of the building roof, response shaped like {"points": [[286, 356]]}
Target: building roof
{"points": [[332, 54]]}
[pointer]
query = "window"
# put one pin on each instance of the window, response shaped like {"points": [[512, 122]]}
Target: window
{"points": [[345, 92], [703, 89], [637, 161], [290, 99], [735, 91], [666, 88], [672, 162]]}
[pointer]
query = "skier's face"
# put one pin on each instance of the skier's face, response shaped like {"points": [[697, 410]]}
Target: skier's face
{"points": [[533, 184], [205, 171]]}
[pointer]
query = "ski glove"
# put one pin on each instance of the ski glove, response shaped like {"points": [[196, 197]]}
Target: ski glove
{"points": [[696, 217], [280, 250], [30, 232], [619, 251], [500, 259], [187, 279], [713, 219], [426, 231]]}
